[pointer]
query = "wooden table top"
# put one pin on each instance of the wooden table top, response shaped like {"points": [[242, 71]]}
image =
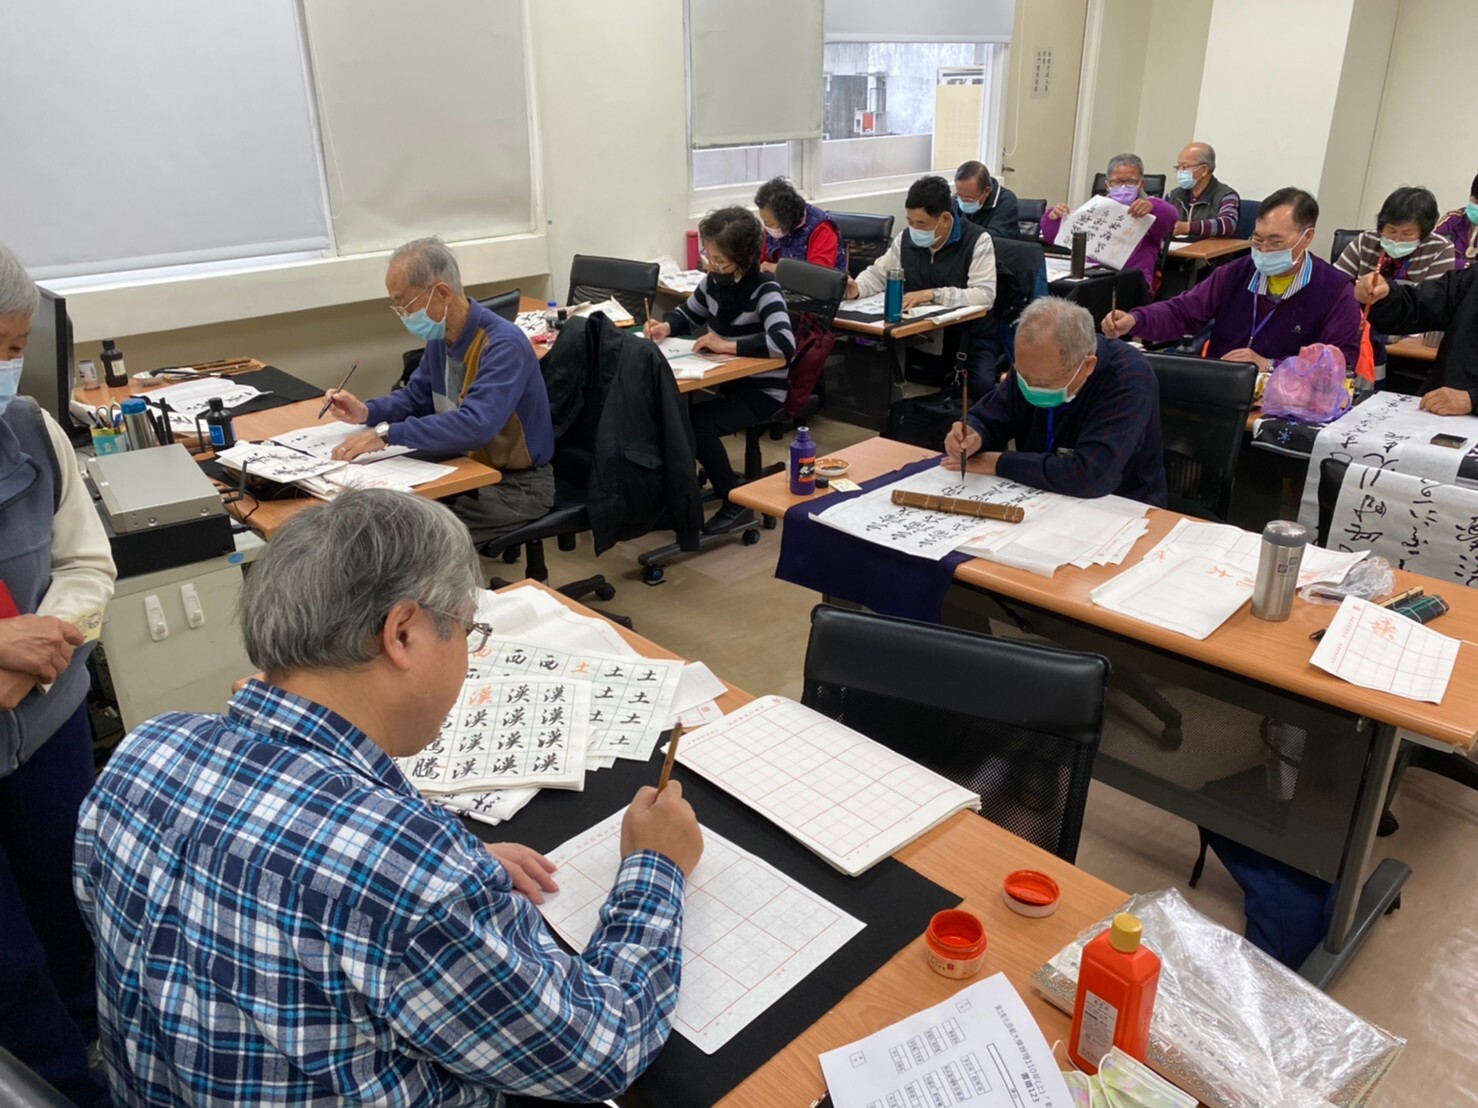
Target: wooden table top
{"points": [[266, 517], [905, 330], [1411, 348], [1205, 250], [969, 856], [1276, 654]]}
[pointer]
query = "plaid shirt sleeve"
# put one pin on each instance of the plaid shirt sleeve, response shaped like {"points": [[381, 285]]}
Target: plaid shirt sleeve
{"points": [[492, 998]]}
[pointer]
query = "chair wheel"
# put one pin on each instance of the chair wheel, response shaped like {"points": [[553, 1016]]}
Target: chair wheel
{"points": [[652, 575], [769, 523], [606, 592], [510, 556], [1388, 825], [1171, 738], [1395, 904], [751, 536]]}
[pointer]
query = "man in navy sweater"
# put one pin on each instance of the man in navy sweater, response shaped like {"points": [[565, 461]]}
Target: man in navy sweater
{"points": [[1083, 412], [477, 391]]}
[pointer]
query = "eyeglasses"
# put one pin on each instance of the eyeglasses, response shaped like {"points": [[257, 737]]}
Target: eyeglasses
{"points": [[1133, 182], [1277, 242], [1189, 165], [482, 630], [405, 311]]}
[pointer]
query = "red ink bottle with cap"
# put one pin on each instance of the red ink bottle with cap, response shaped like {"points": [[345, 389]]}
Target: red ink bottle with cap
{"points": [[1117, 982]]}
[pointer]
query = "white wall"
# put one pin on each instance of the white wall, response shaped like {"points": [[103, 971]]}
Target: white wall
{"points": [[1268, 89], [1175, 49], [1039, 131], [1427, 133], [1108, 111]]}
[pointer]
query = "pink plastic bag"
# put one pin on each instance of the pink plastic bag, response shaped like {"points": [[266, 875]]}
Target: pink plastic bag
{"points": [[1308, 388]]}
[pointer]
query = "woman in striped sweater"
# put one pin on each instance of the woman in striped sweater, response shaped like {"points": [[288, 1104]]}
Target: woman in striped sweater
{"points": [[745, 314]]}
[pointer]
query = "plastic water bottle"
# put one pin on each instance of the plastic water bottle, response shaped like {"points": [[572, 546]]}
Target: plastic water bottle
{"points": [[802, 463], [551, 316], [893, 297]]}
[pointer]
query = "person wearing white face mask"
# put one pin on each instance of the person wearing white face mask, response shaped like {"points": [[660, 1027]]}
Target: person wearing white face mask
{"points": [[1266, 306], [1125, 182], [55, 567], [477, 391], [1077, 414], [1208, 208], [946, 261]]}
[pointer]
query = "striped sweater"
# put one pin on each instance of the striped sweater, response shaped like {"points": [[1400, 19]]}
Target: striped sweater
{"points": [[1432, 258], [751, 313]]}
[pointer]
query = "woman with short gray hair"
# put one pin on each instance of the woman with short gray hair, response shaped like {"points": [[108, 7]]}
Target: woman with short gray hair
{"points": [[55, 569], [1124, 180]]}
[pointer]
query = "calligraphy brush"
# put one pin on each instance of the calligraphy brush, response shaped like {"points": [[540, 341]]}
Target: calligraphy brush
{"points": [[327, 400], [677, 733]]}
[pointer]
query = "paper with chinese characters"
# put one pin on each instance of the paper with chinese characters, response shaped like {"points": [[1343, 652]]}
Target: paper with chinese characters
{"points": [[979, 1048], [630, 699], [506, 732], [1389, 431], [1192, 594], [1112, 232], [1375, 648], [1415, 523]]}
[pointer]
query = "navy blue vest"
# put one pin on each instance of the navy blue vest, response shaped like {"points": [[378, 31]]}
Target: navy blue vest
{"points": [[794, 244], [28, 499]]}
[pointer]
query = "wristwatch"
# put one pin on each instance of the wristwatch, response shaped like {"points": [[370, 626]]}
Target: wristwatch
{"points": [[383, 430]]}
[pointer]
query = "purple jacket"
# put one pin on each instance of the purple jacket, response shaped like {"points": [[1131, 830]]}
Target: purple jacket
{"points": [[1146, 256], [1456, 227], [1323, 310]]}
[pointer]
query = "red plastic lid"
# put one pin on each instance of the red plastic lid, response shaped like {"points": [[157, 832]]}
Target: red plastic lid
{"points": [[1031, 893]]}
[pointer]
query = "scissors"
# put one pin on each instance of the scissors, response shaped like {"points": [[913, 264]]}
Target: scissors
{"points": [[109, 418]]}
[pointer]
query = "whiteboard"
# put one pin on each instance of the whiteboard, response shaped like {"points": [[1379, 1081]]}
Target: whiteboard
{"points": [[162, 132]]}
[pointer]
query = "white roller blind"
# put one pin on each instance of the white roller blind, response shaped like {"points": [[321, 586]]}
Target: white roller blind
{"points": [[920, 20], [423, 109], [142, 133], [754, 71]]}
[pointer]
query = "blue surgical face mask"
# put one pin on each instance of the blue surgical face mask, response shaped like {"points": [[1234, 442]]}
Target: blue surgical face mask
{"points": [[1047, 398], [1185, 178], [420, 324], [922, 238], [1124, 194], [10, 381], [1396, 249], [968, 207]]}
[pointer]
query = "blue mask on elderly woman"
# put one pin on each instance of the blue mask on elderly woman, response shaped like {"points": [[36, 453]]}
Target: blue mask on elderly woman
{"points": [[10, 381]]}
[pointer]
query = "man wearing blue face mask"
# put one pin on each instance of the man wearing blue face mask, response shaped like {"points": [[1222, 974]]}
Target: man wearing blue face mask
{"points": [[1266, 306], [985, 202], [1083, 412], [477, 391], [1207, 208]]}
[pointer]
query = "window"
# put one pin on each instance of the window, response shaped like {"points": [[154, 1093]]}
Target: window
{"points": [[735, 166], [900, 109]]}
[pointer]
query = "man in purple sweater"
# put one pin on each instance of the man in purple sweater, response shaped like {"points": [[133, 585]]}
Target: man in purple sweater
{"points": [[1264, 307]]}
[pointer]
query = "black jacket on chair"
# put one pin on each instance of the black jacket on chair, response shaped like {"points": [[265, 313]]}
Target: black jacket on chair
{"points": [[621, 430]]}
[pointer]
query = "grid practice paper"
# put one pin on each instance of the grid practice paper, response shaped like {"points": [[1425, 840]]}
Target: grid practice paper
{"points": [[1375, 648], [749, 932], [320, 440], [849, 799]]}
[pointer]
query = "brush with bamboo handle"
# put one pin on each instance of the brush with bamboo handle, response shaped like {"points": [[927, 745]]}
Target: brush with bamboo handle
{"points": [[1010, 513]]}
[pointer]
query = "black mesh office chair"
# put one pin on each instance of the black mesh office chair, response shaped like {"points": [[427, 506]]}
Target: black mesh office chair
{"points": [[1026, 747], [1204, 406], [1342, 238], [504, 304], [1029, 215], [632, 284], [866, 238], [22, 1087], [1154, 184]]}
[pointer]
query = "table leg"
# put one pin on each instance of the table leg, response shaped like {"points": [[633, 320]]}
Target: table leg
{"points": [[1357, 904]]}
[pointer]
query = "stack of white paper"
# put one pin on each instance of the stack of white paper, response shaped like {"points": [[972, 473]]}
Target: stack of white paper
{"points": [[687, 363], [320, 440], [1375, 648], [191, 398], [1241, 550], [271, 462], [1062, 531], [1189, 593]]}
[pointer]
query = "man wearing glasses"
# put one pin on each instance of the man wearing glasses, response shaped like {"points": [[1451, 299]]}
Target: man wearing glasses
{"points": [[1264, 307], [280, 917], [477, 391], [1208, 208]]}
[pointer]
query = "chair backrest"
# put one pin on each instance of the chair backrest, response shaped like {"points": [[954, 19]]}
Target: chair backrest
{"points": [[1342, 238], [815, 290], [1247, 217], [633, 284], [22, 1087], [1154, 184], [1029, 215], [504, 304], [1018, 265], [1203, 419], [866, 237], [1026, 745]]}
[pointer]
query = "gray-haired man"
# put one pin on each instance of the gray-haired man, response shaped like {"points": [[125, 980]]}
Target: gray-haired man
{"points": [[281, 919], [1125, 182], [478, 391], [1083, 412]]}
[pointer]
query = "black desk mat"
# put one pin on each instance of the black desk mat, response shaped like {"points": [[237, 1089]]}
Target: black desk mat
{"points": [[893, 901], [280, 389]]}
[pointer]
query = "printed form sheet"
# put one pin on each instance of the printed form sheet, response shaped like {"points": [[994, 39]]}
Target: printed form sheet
{"points": [[979, 1049], [749, 932], [847, 798]]}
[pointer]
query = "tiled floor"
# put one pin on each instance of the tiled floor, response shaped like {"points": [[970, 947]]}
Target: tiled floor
{"points": [[1416, 974]]}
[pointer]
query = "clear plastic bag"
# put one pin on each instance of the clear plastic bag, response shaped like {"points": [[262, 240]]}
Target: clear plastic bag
{"points": [[1308, 387], [1231, 1025], [1370, 578]]}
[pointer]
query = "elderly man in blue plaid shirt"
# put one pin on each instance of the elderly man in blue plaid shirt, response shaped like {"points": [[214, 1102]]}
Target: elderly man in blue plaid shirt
{"points": [[281, 919]]}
